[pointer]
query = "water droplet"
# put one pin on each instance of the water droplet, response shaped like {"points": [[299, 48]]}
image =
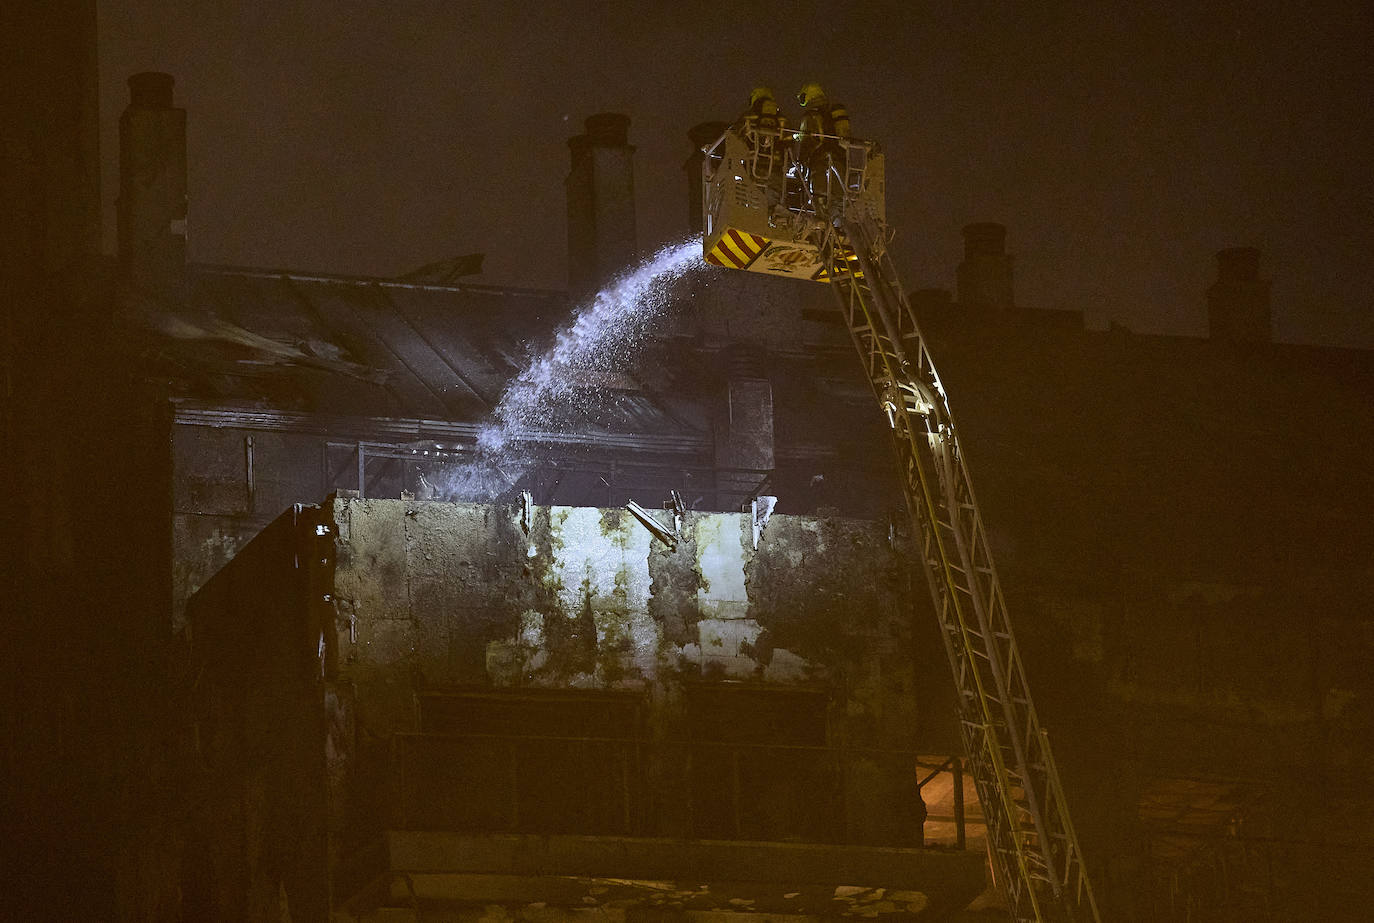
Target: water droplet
{"points": [[604, 336]]}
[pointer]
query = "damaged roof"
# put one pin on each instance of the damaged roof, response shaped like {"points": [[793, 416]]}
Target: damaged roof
{"points": [[375, 347]]}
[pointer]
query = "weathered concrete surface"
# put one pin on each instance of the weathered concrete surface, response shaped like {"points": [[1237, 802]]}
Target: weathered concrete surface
{"points": [[450, 596], [460, 594]]}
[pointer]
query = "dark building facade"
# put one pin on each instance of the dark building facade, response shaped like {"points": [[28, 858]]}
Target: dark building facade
{"points": [[1181, 527], [1150, 505]]}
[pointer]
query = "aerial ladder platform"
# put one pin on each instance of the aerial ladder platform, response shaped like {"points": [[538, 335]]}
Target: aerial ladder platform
{"points": [[812, 207]]}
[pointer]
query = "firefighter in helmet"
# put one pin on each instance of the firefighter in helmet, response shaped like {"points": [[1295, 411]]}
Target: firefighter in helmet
{"points": [[761, 127], [822, 123], [763, 110]]}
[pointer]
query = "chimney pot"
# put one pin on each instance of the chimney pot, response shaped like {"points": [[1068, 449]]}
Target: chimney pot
{"points": [[985, 238], [608, 129], [1238, 302], [151, 90], [577, 146], [151, 209], [1238, 264], [984, 277], [601, 206]]}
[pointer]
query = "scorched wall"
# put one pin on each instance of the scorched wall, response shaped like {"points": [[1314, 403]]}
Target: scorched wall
{"points": [[440, 597]]}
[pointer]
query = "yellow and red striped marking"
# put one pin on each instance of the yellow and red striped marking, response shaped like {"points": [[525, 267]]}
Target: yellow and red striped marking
{"points": [[737, 249], [850, 267]]}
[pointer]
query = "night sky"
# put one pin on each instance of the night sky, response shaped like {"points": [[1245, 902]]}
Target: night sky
{"points": [[1122, 143]]}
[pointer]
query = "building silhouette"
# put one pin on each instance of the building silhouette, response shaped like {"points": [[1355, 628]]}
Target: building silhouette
{"points": [[200, 727]]}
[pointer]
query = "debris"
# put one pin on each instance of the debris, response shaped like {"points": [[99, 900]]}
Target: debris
{"points": [[761, 508], [907, 897], [679, 511], [655, 528]]}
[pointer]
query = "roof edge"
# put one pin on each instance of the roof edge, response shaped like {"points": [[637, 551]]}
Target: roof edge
{"points": [[251, 272]]}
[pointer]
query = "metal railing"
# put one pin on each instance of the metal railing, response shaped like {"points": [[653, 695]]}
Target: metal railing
{"points": [[793, 164], [797, 167]]}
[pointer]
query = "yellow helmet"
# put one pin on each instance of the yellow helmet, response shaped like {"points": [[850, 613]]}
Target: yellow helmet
{"points": [[760, 92], [810, 94]]}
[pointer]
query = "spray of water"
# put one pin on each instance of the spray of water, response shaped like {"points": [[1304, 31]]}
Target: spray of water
{"points": [[604, 336]]}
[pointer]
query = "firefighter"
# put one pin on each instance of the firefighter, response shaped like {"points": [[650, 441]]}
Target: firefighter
{"points": [[763, 110], [760, 125], [822, 123]]}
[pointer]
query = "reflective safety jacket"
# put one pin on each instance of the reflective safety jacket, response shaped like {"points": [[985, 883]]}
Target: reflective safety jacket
{"points": [[763, 114], [824, 119], [837, 120]]}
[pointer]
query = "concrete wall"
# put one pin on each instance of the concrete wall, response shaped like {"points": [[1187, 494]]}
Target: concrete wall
{"points": [[587, 598], [214, 511], [217, 506], [448, 595]]}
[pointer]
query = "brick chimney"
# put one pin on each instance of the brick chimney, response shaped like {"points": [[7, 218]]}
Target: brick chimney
{"points": [[1238, 303], [700, 135], [985, 277], [152, 189], [601, 203]]}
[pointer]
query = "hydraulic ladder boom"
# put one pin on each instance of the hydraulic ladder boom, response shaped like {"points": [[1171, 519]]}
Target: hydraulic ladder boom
{"points": [[829, 205]]}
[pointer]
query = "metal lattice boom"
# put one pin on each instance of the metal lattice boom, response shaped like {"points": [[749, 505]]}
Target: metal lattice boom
{"points": [[1029, 829], [811, 206]]}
